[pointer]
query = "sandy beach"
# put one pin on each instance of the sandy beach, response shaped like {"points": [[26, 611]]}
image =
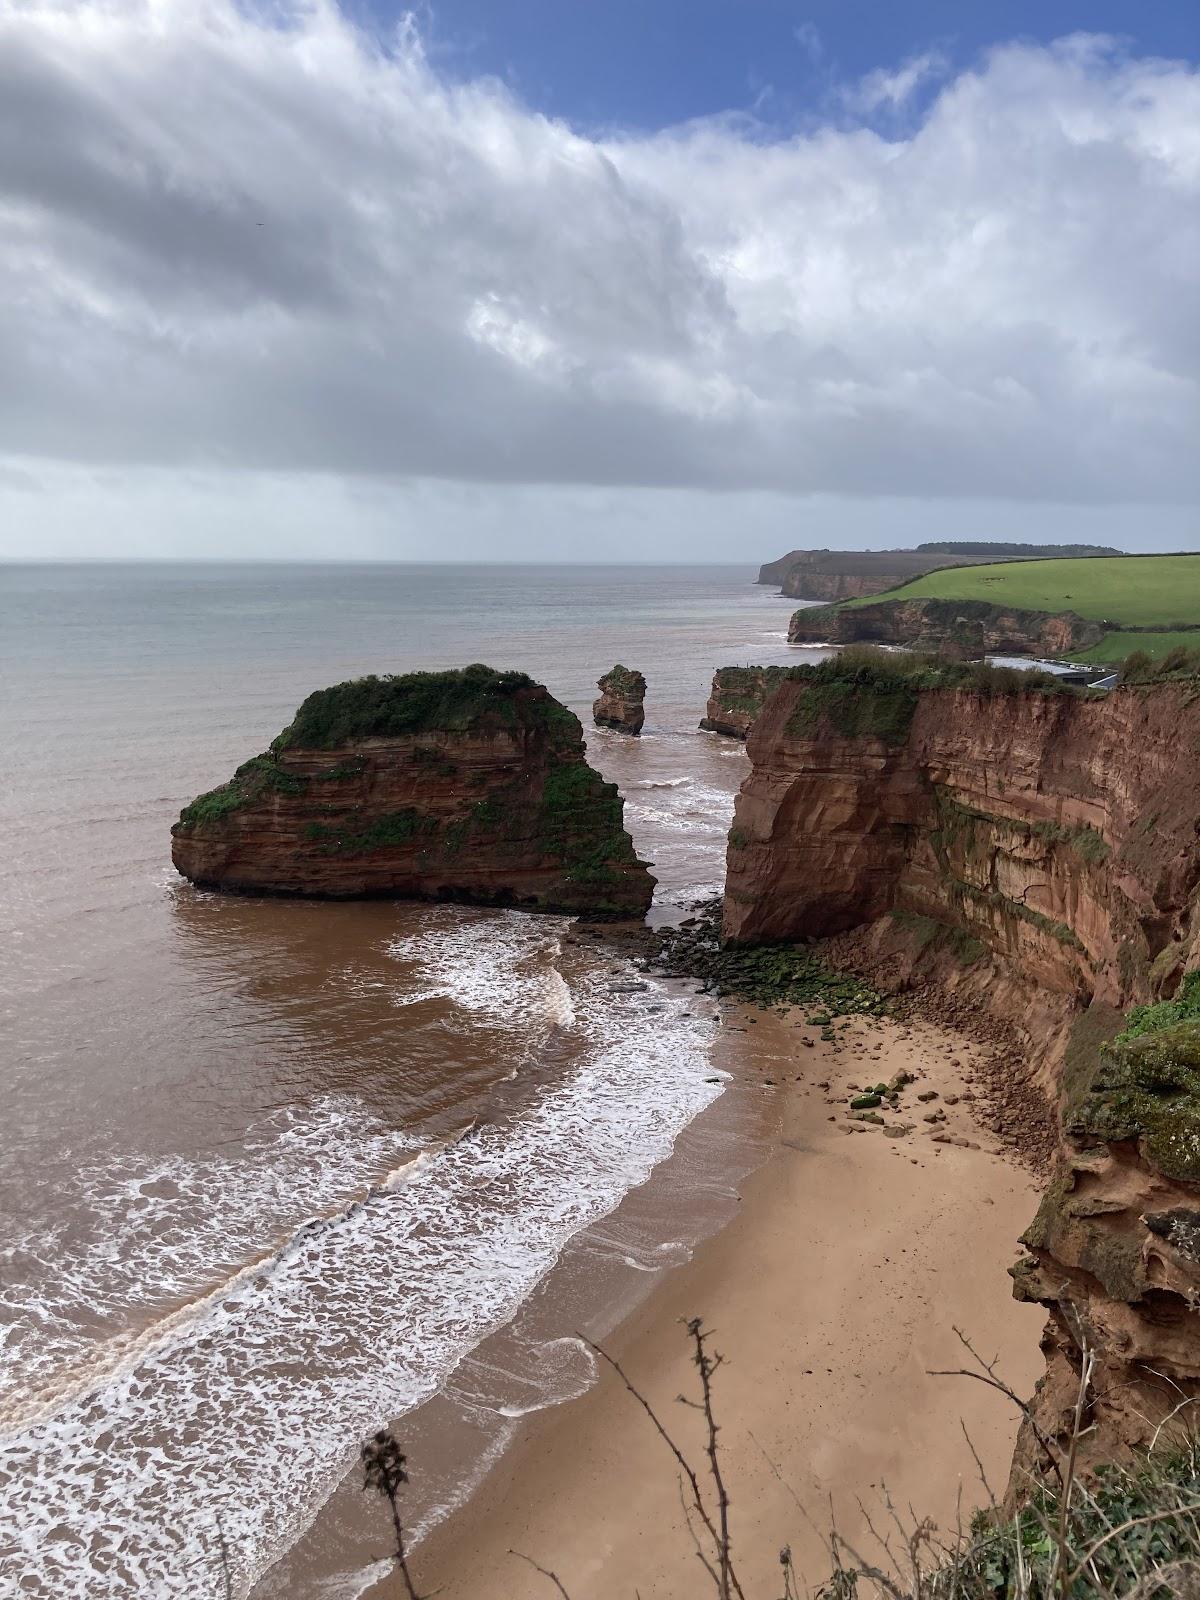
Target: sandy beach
{"points": [[832, 1294]]}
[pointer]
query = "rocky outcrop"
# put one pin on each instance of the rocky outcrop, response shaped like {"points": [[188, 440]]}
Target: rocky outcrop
{"points": [[1036, 853], [620, 704], [1114, 1251], [738, 695], [963, 629], [470, 785]]}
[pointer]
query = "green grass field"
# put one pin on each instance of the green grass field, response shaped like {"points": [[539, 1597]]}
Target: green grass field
{"points": [[1116, 646], [1139, 591]]}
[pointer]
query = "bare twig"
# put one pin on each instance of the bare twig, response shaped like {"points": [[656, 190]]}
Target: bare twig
{"points": [[707, 1366], [988, 1376], [1058, 1571], [552, 1576], [721, 1568]]}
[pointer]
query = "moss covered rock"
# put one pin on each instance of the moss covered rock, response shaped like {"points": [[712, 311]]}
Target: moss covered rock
{"points": [[466, 785], [1146, 1089]]}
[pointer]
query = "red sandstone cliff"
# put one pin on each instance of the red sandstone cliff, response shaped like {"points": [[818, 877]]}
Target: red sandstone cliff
{"points": [[1043, 849], [468, 786]]}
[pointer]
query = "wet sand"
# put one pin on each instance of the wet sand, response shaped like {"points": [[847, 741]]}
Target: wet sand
{"points": [[832, 1293]]}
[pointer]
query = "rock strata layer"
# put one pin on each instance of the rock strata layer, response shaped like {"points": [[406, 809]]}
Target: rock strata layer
{"points": [[620, 704], [961, 628], [1036, 854], [470, 785], [738, 695]]}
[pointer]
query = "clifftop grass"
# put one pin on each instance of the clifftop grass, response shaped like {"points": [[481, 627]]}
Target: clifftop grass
{"points": [[1138, 591], [865, 692], [416, 702]]}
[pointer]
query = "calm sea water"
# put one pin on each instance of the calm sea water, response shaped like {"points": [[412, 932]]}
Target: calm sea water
{"points": [[271, 1172]]}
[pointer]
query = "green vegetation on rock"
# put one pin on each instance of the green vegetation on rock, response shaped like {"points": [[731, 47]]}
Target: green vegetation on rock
{"points": [[1146, 1088], [744, 689], [1185, 1007], [866, 692], [416, 702], [581, 824], [253, 779], [623, 681], [392, 829], [767, 974], [1130, 1526], [1177, 661]]}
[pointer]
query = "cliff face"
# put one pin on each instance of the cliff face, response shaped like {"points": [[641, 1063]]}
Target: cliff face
{"points": [[620, 704], [738, 695], [806, 583], [1042, 850], [960, 627], [469, 786]]}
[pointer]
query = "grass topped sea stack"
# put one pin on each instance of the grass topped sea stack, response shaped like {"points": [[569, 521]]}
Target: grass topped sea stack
{"points": [[470, 785], [622, 692]]}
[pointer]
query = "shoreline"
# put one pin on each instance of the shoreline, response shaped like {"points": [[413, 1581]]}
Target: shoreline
{"points": [[832, 1293]]}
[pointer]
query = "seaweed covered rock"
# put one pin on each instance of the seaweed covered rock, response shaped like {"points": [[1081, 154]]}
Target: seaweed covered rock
{"points": [[469, 785], [738, 695], [619, 706]]}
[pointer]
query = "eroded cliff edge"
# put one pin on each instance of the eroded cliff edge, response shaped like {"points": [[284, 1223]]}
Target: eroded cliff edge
{"points": [[470, 785], [737, 696], [1037, 851]]}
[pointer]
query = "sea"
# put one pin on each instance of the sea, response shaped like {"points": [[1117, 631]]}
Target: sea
{"points": [[276, 1174]]}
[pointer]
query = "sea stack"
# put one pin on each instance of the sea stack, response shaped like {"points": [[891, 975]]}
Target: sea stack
{"points": [[620, 703], [470, 785]]}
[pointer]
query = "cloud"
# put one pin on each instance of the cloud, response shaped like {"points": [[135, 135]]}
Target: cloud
{"points": [[250, 241], [808, 37], [892, 89]]}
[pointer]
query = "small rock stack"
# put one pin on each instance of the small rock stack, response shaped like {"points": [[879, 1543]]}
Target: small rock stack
{"points": [[620, 703]]}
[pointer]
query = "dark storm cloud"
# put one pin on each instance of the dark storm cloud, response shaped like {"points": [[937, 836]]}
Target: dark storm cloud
{"points": [[266, 243]]}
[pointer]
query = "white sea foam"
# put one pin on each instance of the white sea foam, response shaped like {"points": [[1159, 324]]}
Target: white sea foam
{"points": [[158, 1234], [489, 965], [251, 1405]]}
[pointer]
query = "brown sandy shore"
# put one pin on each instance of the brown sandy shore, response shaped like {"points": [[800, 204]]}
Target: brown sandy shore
{"points": [[833, 1292]]}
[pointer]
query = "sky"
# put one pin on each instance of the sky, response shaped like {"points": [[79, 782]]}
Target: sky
{"points": [[522, 279]]}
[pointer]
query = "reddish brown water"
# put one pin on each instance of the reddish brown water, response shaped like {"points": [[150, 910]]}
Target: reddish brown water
{"points": [[243, 1221]]}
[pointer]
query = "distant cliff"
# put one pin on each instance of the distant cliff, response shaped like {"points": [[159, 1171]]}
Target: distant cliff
{"points": [[1035, 853], [470, 785], [964, 628], [830, 575]]}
